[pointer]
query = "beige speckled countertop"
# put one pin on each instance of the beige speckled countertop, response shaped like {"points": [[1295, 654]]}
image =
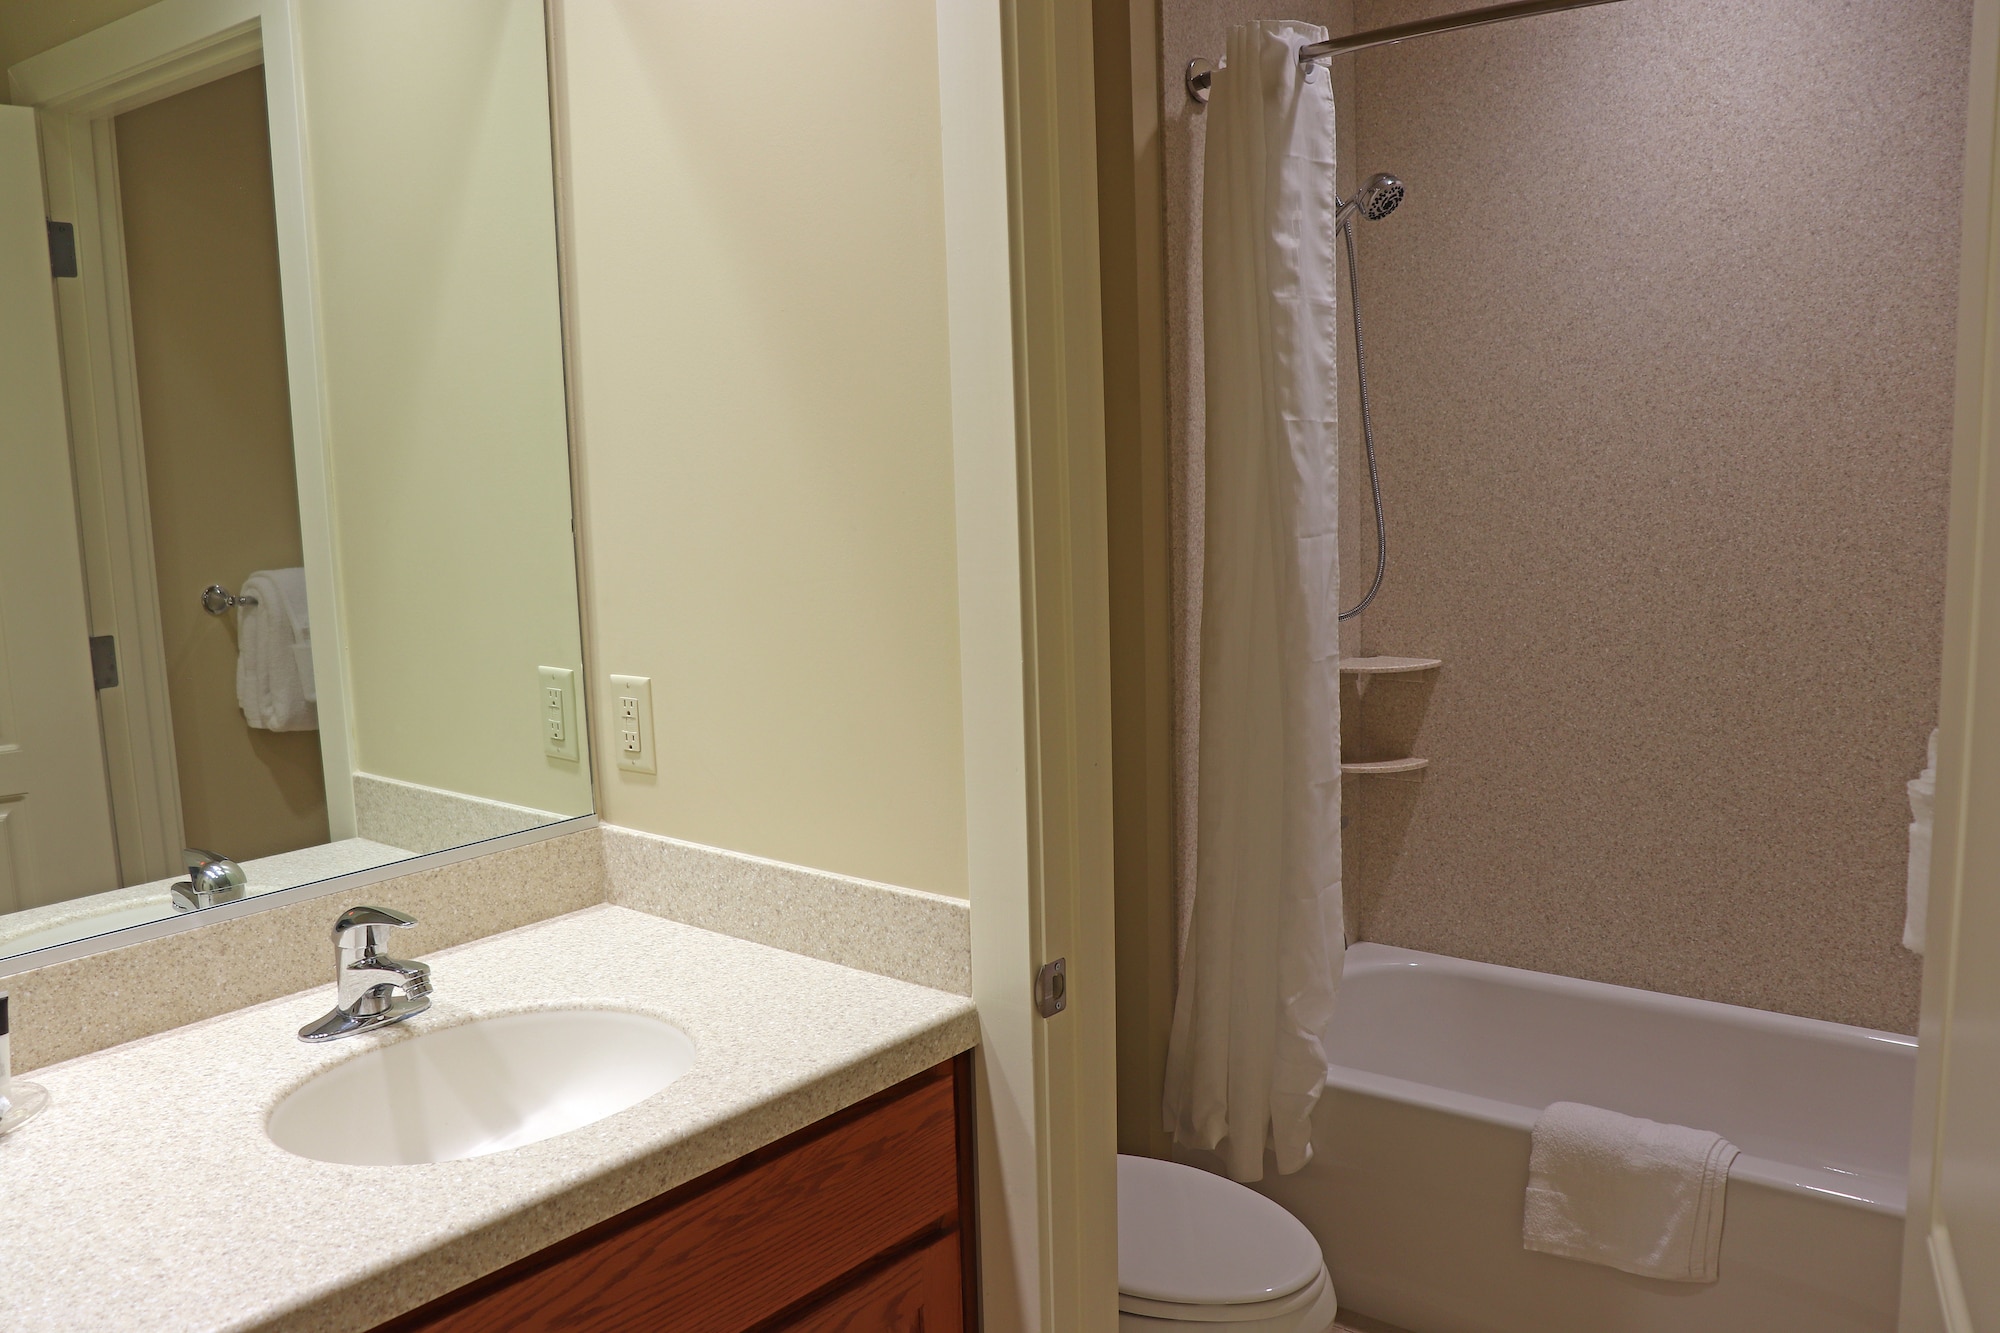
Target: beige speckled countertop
{"points": [[148, 1197]]}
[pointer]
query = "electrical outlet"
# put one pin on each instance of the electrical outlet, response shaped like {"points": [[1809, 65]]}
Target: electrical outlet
{"points": [[558, 712], [632, 722]]}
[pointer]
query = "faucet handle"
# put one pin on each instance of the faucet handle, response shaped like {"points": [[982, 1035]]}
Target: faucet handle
{"points": [[366, 980], [370, 919]]}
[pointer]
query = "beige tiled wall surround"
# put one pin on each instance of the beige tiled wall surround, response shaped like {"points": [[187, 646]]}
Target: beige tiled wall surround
{"points": [[87, 1004], [1661, 352]]}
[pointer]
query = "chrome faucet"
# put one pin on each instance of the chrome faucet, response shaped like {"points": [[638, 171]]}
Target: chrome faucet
{"points": [[366, 980], [211, 879]]}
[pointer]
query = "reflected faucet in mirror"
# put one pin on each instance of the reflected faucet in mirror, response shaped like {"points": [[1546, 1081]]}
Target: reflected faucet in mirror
{"points": [[211, 879], [366, 979]]}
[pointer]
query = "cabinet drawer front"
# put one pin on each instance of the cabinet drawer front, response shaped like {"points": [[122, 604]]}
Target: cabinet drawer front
{"points": [[747, 1247], [920, 1293]]}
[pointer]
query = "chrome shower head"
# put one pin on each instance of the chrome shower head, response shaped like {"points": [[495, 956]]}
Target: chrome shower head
{"points": [[1375, 200]]}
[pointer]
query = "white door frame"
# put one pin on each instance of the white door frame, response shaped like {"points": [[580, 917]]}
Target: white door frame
{"points": [[78, 89], [1963, 860], [1020, 186]]}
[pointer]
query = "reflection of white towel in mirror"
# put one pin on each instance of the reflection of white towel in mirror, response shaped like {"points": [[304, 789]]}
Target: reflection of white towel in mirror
{"points": [[274, 677]]}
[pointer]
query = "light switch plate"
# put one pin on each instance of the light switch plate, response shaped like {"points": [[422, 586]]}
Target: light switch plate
{"points": [[632, 723], [558, 696]]}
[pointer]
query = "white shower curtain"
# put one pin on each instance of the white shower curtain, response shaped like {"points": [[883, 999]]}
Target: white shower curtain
{"points": [[1245, 1064]]}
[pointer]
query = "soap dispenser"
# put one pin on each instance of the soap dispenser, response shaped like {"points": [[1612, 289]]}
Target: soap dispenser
{"points": [[20, 1101]]}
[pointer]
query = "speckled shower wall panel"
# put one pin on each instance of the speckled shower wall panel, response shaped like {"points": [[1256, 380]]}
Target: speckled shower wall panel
{"points": [[1662, 349], [1191, 28]]}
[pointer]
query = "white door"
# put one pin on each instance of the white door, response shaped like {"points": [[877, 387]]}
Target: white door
{"points": [[55, 810], [1951, 1250]]}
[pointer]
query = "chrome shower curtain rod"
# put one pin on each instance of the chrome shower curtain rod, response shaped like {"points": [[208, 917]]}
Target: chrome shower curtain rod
{"points": [[1201, 73], [1470, 18]]}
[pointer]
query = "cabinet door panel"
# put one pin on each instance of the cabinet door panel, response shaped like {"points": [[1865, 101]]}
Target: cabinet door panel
{"points": [[748, 1247], [918, 1294]]}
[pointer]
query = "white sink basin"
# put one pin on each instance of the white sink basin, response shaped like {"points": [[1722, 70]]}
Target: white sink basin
{"points": [[481, 1087]]}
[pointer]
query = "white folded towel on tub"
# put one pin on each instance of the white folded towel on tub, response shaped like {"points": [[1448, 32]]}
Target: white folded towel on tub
{"points": [[1628, 1193]]}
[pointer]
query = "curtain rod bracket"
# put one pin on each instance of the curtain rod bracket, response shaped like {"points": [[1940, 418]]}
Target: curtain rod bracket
{"points": [[1200, 77]]}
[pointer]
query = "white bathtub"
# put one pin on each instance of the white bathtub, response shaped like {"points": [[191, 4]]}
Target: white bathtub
{"points": [[1421, 1151]]}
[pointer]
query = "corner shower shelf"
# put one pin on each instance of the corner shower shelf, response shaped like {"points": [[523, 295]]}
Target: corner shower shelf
{"points": [[1382, 766], [1386, 666], [1367, 667]]}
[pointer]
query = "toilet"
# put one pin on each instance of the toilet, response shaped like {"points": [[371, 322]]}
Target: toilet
{"points": [[1200, 1254]]}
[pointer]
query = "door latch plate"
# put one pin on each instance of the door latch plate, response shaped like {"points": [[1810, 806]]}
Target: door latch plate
{"points": [[1052, 988], [104, 661]]}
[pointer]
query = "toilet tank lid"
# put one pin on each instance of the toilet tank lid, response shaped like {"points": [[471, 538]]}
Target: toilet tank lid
{"points": [[1197, 1239]]}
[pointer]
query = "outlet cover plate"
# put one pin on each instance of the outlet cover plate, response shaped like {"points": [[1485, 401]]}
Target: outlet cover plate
{"points": [[558, 695], [632, 723]]}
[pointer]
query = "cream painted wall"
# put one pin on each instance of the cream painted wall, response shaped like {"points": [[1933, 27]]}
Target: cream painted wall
{"points": [[759, 316], [434, 216], [30, 27]]}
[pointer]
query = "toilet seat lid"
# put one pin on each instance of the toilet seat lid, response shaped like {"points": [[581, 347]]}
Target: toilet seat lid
{"points": [[1191, 1238]]}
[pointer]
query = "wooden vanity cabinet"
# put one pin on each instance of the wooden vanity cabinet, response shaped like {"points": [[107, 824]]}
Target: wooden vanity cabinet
{"points": [[861, 1223]]}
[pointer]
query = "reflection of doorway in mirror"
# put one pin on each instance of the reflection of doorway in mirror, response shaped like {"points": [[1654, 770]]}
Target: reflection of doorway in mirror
{"points": [[201, 251], [55, 815]]}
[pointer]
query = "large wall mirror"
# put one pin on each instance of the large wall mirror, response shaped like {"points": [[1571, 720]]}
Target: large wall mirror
{"points": [[287, 569]]}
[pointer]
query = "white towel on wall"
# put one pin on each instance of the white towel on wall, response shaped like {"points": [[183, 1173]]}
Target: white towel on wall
{"points": [[1245, 1064], [1917, 888], [274, 677], [1632, 1194]]}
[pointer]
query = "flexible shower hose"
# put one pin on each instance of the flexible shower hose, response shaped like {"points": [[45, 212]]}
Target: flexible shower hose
{"points": [[1367, 427]]}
